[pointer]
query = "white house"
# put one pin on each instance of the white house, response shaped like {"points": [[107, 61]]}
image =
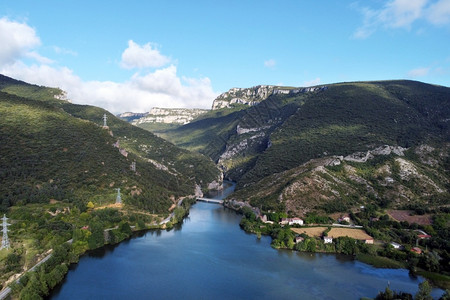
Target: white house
{"points": [[299, 239], [297, 221], [327, 239], [396, 245]]}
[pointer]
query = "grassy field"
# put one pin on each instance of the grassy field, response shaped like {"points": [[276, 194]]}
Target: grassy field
{"points": [[406, 215], [310, 231], [357, 234], [379, 261]]}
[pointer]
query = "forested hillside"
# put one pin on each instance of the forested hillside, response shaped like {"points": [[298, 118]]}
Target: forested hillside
{"points": [[52, 149], [285, 131]]}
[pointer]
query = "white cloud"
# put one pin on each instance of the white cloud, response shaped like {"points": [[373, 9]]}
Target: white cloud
{"points": [[39, 58], [59, 50], [439, 12], [402, 14], [419, 72], [270, 63], [312, 82], [161, 87], [17, 39], [146, 56]]}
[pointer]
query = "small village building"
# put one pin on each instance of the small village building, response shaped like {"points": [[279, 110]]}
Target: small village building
{"points": [[396, 245], [327, 239], [264, 219], [368, 241], [299, 239], [423, 236], [346, 219], [416, 250], [284, 221], [291, 221], [295, 221]]}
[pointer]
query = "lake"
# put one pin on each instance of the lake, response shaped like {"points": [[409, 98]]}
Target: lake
{"points": [[210, 257]]}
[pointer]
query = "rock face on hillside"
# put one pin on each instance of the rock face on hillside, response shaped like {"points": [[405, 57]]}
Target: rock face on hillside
{"points": [[254, 95], [170, 115], [337, 183], [131, 116]]}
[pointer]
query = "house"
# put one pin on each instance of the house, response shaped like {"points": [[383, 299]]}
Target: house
{"points": [[294, 221], [291, 221], [344, 219], [327, 239], [423, 236], [264, 219], [368, 241], [396, 245], [284, 221], [299, 239], [416, 250]]}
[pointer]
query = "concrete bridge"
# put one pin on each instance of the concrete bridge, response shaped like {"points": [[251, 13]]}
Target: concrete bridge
{"points": [[210, 200]]}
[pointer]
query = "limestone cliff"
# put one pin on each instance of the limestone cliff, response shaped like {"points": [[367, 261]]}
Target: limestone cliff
{"points": [[170, 115], [254, 95]]}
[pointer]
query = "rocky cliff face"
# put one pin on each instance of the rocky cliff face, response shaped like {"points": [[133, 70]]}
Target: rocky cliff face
{"points": [[131, 116], [170, 115], [254, 95]]}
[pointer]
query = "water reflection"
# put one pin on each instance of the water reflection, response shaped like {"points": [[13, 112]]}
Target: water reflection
{"points": [[210, 257]]}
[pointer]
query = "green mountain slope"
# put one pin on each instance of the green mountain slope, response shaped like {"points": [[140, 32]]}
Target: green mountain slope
{"points": [[52, 149], [256, 144]]}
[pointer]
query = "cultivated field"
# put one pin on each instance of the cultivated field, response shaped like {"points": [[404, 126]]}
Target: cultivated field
{"points": [[311, 231], [357, 234], [405, 215], [335, 232]]}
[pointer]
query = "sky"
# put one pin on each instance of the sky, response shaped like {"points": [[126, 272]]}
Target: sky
{"points": [[134, 55]]}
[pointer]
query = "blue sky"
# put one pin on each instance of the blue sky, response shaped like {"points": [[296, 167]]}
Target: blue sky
{"points": [[134, 55]]}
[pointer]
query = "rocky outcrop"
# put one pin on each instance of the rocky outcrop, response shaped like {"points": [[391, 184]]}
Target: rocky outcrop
{"points": [[130, 116], [169, 115], [382, 150], [254, 95]]}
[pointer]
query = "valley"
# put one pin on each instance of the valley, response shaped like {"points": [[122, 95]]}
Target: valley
{"points": [[367, 151]]}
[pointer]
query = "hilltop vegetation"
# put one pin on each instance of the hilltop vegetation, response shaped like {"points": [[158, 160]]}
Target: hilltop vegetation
{"points": [[285, 131], [60, 169], [53, 149]]}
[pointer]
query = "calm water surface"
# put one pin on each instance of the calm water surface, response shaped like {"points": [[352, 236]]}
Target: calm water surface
{"points": [[210, 257]]}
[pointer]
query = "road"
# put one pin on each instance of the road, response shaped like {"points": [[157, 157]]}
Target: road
{"points": [[167, 220], [5, 292]]}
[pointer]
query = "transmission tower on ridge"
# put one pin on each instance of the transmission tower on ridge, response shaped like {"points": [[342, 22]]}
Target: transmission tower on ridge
{"points": [[5, 241], [118, 198], [104, 120]]}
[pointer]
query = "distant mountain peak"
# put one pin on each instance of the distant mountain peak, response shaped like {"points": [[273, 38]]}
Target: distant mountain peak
{"points": [[254, 95]]}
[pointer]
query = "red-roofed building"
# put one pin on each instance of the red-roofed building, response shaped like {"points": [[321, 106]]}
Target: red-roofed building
{"points": [[416, 250], [423, 236]]}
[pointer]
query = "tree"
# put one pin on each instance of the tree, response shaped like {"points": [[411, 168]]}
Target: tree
{"points": [[424, 292]]}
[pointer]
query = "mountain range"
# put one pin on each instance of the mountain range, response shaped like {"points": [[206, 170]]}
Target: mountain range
{"points": [[290, 148]]}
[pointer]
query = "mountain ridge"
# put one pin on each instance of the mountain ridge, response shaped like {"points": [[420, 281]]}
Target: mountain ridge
{"points": [[57, 150]]}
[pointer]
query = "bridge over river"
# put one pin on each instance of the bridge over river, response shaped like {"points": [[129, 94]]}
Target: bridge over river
{"points": [[210, 200]]}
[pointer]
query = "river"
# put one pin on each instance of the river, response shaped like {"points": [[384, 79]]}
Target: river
{"points": [[210, 257]]}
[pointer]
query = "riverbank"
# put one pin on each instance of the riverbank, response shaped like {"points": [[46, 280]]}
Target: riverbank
{"points": [[283, 237], [95, 228], [207, 254]]}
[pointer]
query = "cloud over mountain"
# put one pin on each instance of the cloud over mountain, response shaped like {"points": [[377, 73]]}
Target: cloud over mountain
{"points": [[160, 86]]}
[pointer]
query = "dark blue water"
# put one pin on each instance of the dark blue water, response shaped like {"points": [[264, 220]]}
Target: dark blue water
{"points": [[210, 257]]}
